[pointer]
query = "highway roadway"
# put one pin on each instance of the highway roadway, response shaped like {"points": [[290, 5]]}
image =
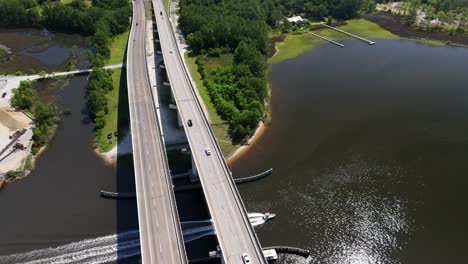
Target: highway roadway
{"points": [[160, 233], [233, 229]]}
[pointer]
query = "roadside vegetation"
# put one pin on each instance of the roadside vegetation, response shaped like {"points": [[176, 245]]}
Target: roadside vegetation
{"points": [[46, 116], [220, 127], [115, 115], [99, 102], [118, 48]]}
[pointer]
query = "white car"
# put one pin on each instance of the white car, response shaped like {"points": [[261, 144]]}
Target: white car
{"points": [[207, 151], [245, 258]]}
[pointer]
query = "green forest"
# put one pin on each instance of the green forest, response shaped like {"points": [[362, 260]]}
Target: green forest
{"points": [[102, 20]]}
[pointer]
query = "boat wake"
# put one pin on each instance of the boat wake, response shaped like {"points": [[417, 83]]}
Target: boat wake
{"points": [[89, 251]]}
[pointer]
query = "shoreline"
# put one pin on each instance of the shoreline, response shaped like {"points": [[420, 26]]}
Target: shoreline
{"points": [[259, 131], [392, 23], [404, 32], [124, 147]]}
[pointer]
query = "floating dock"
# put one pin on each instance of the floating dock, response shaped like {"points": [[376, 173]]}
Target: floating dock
{"points": [[329, 40], [349, 34]]}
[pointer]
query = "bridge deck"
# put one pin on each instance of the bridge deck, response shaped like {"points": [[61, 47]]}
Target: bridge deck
{"points": [[160, 232]]}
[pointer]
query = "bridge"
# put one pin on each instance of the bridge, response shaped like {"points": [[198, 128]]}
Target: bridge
{"points": [[161, 237], [231, 224]]}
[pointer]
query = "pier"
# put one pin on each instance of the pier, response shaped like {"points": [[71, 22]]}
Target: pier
{"points": [[349, 34], [290, 250], [254, 177], [117, 195], [329, 40]]}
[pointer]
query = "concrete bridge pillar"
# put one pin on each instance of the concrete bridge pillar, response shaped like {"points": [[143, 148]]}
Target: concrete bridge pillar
{"points": [[172, 97], [179, 119], [194, 170]]}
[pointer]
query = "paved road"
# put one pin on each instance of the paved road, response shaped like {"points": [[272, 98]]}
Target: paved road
{"points": [[234, 231], [160, 232]]}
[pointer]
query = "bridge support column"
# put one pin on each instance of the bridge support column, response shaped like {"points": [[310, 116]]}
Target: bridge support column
{"points": [[194, 171], [179, 119]]}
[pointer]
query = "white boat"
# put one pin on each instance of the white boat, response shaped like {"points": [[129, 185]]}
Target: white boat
{"points": [[257, 219]]}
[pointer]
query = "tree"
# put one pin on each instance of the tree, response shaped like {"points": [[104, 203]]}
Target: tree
{"points": [[24, 96]]}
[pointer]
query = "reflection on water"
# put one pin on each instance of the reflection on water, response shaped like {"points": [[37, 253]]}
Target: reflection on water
{"points": [[53, 56], [369, 147]]}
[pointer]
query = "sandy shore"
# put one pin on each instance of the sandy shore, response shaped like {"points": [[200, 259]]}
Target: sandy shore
{"points": [[262, 127], [124, 147]]}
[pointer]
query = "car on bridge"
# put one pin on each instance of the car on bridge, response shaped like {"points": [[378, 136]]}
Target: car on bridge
{"points": [[208, 151], [245, 258]]}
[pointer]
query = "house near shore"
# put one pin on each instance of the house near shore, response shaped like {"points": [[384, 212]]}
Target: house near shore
{"points": [[296, 20]]}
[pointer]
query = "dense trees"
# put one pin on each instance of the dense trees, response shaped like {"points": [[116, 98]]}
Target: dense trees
{"points": [[436, 15], [24, 96], [100, 83], [46, 117], [320, 9], [104, 19]]}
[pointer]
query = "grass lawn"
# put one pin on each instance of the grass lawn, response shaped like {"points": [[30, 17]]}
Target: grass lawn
{"points": [[213, 63], [117, 118], [118, 47], [220, 127], [296, 43], [167, 5]]}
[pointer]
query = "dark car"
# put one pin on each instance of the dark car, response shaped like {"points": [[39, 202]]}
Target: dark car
{"points": [[160, 12], [189, 122], [116, 133], [3, 95], [109, 136]]}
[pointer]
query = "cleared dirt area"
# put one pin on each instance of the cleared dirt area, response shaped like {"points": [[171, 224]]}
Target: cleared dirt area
{"points": [[392, 23], [11, 121]]}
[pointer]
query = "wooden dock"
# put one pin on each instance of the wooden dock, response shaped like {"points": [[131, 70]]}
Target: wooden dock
{"points": [[329, 40], [349, 34]]}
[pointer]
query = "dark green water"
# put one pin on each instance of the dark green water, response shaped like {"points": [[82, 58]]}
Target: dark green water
{"points": [[369, 146]]}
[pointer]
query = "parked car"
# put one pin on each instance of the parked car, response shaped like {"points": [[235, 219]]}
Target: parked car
{"points": [[116, 133], [109, 136], [3, 95], [189, 122], [208, 151]]}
